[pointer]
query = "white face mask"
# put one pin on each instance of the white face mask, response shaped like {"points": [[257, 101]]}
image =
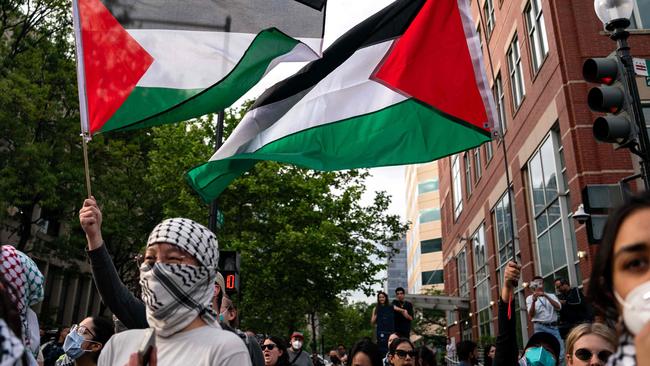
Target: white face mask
{"points": [[636, 307], [296, 344]]}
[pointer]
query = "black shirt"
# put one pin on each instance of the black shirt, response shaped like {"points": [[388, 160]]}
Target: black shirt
{"points": [[403, 325]]}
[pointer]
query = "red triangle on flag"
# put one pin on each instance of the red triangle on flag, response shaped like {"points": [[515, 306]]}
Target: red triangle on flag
{"points": [[431, 62], [113, 62]]}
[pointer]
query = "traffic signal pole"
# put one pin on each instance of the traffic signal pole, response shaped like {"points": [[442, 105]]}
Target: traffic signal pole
{"points": [[620, 35]]}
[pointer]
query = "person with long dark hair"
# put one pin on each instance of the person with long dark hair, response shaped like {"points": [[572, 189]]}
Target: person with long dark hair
{"points": [[620, 280], [365, 353], [489, 351], [426, 357], [275, 352], [383, 316]]}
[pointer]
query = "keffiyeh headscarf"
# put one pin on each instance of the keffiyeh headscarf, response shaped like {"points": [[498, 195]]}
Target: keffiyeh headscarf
{"points": [[26, 282], [625, 355], [175, 294], [11, 348]]}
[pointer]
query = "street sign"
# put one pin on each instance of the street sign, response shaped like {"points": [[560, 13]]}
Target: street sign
{"points": [[219, 219], [641, 66]]}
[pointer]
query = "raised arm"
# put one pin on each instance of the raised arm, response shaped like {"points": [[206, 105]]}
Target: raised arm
{"points": [[506, 353], [127, 308]]}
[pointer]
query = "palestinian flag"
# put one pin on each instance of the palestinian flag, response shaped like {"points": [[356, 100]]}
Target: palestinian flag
{"points": [[405, 86], [148, 62]]}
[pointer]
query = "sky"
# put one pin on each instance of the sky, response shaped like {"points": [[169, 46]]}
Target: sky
{"points": [[340, 16]]}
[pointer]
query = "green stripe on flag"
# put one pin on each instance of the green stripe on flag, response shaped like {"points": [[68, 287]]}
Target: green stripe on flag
{"points": [[405, 133], [147, 107]]}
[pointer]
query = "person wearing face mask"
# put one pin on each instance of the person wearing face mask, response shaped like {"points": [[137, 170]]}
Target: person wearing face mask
{"points": [[177, 281], [85, 341], [590, 345], [130, 310], [297, 356], [228, 321], [542, 308], [619, 286], [542, 349]]}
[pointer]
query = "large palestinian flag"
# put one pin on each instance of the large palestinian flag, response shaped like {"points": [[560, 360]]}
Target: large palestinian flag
{"points": [[407, 85], [148, 62]]}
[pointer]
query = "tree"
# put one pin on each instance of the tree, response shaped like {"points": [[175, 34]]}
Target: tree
{"points": [[346, 324], [431, 323]]}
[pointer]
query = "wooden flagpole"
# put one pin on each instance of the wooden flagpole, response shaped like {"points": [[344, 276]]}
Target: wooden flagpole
{"points": [[81, 83]]}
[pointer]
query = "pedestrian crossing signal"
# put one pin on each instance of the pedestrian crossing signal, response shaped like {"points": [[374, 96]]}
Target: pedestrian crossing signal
{"points": [[229, 261]]}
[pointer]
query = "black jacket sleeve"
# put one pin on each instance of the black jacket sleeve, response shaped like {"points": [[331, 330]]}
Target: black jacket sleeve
{"points": [[507, 348], [127, 308]]}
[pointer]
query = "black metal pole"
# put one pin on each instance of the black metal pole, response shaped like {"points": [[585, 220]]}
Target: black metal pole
{"points": [[212, 219], [510, 203], [620, 35]]}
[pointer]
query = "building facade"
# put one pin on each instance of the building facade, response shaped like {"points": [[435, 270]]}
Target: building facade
{"points": [[424, 238], [534, 51], [397, 269]]}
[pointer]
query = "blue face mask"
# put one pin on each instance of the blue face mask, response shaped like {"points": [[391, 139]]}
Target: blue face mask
{"points": [[72, 345], [539, 356]]}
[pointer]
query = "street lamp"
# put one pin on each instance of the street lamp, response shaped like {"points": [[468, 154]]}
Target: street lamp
{"points": [[615, 16]]}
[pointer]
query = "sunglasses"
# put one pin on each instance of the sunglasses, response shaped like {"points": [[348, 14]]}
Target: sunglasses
{"points": [[402, 354], [269, 346], [584, 354]]}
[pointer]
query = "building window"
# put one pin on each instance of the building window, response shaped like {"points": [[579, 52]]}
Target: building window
{"points": [[488, 12], [550, 209], [429, 214], [516, 72], [641, 15], [482, 287], [428, 186], [499, 99], [480, 39], [536, 33], [431, 246], [463, 287], [488, 151], [432, 277], [468, 174], [503, 233], [477, 164], [456, 192]]}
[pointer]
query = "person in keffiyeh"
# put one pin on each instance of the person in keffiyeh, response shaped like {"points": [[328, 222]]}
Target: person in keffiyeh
{"points": [[25, 283]]}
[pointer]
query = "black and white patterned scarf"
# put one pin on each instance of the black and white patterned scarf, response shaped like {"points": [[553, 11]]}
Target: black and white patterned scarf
{"points": [[11, 347], [625, 355], [175, 294]]}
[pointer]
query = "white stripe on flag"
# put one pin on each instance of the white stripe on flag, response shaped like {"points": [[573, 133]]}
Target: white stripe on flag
{"points": [[344, 93]]}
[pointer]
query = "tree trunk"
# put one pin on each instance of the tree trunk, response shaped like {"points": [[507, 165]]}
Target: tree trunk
{"points": [[25, 227]]}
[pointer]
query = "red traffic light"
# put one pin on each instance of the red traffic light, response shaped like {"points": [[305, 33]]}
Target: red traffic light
{"points": [[600, 70]]}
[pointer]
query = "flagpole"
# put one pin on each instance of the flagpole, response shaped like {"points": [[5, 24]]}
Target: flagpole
{"points": [[81, 83], [500, 135]]}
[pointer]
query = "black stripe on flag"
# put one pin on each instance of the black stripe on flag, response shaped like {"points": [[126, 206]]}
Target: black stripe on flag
{"points": [[295, 18], [389, 23]]}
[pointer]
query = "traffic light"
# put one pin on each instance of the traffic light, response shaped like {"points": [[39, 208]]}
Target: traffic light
{"points": [[617, 126], [229, 261]]}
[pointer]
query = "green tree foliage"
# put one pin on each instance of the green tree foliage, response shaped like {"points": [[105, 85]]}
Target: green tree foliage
{"points": [[304, 236], [346, 324], [430, 323]]}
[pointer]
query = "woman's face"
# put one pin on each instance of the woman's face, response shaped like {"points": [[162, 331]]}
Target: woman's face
{"points": [[492, 352], [271, 353], [630, 264], [361, 359], [590, 350], [381, 298], [403, 355]]}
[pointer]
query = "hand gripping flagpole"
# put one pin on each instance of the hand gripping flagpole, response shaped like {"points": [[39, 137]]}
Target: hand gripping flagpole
{"points": [[81, 82]]}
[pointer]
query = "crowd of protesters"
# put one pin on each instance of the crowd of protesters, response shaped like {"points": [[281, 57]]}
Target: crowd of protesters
{"points": [[184, 316]]}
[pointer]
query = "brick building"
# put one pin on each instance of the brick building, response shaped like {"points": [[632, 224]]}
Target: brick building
{"points": [[536, 48]]}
